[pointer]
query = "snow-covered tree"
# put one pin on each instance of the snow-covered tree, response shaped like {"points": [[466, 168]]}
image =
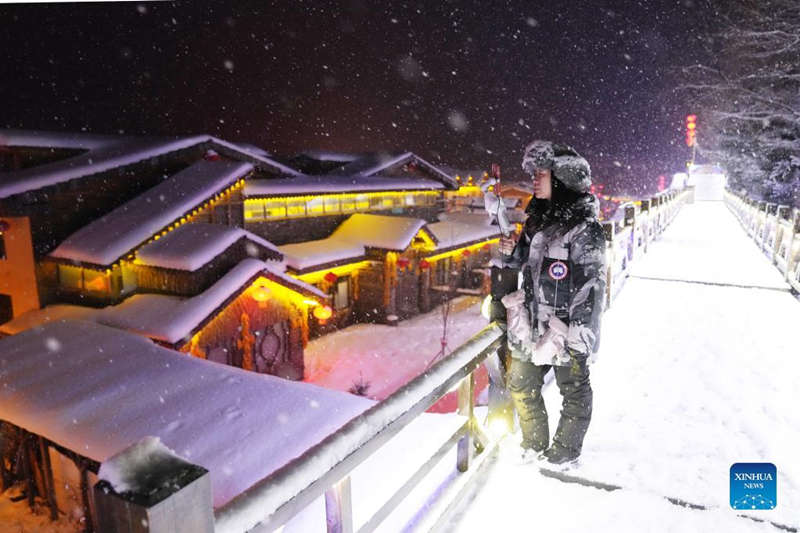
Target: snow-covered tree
{"points": [[748, 99]]}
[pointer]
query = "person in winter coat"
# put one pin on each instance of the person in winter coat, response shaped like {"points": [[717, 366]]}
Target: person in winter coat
{"points": [[553, 321]]}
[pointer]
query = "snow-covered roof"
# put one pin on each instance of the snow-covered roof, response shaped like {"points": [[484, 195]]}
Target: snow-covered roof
{"points": [[450, 234], [327, 155], [372, 164], [379, 231], [191, 246], [479, 218], [107, 152], [96, 390], [525, 187], [115, 234], [336, 184], [453, 171], [310, 254], [52, 139], [173, 319]]}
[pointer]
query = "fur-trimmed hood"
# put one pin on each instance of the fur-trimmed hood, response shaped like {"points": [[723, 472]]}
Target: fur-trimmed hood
{"points": [[567, 165]]}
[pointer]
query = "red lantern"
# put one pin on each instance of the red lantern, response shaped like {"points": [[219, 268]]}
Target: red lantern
{"points": [[211, 155], [403, 262], [486, 246], [424, 265], [466, 253], [330, 277]]}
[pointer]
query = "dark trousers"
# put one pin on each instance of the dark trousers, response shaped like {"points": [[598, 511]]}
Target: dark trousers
{"points": [[525, 382]]}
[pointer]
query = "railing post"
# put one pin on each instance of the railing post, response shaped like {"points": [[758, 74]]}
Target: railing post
{"points": [[339, 507], [159, 492], [465, 408], [794, 224]]}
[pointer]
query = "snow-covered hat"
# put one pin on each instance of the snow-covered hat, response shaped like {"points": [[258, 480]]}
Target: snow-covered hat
{"points": [[568, 167]]}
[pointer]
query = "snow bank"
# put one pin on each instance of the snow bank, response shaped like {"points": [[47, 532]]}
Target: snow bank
{"points": [[370, 352], [115, 234]]}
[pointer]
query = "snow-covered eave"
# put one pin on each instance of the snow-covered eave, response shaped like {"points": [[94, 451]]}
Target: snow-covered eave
{"points": [[52, 139], [267, 188], [300, 287], [272, 255], [91, 163], [325, 266], [175, 331], [459, 246], [407, 156], [238, 152], [444, 177]]}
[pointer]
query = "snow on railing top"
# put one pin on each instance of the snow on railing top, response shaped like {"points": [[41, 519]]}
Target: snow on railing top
{"points": [[270, 502]]}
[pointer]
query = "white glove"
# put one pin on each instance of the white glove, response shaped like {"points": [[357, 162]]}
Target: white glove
{"points": [[549, 347], [496, 208]]}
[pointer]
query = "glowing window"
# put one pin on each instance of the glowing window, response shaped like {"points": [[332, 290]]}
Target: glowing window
{"points": [[348, 204], [295, 208], [362, 202], [69, 277], [254, 210], [275, 208], [315, 206], [332, 204]]}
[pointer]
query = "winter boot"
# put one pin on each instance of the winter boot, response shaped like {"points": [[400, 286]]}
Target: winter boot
{"points": [[558, 455], [531, 455]]}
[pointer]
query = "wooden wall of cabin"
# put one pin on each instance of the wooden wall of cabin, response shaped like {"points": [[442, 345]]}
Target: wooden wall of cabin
{"points": [[343, 315], [406, 284], [370, 307], [267, 337]]}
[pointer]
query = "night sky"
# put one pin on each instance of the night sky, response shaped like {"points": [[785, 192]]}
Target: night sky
{"points": [[462, 83]]}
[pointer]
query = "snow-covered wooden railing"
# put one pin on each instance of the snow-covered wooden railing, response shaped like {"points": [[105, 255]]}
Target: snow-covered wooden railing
{"points": [[325, 468], [632, 229], [776, 230]]}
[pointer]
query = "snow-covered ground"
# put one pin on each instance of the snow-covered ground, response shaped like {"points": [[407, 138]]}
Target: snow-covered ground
{"points": [[690, 379], [16, 516], [388, 357]]}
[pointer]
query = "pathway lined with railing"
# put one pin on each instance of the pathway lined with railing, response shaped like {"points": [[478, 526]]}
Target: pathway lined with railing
{"points": [[697, 370]]}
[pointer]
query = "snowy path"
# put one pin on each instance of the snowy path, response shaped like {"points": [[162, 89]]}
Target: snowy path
{"points": [[388, 357], [691, 378]]}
